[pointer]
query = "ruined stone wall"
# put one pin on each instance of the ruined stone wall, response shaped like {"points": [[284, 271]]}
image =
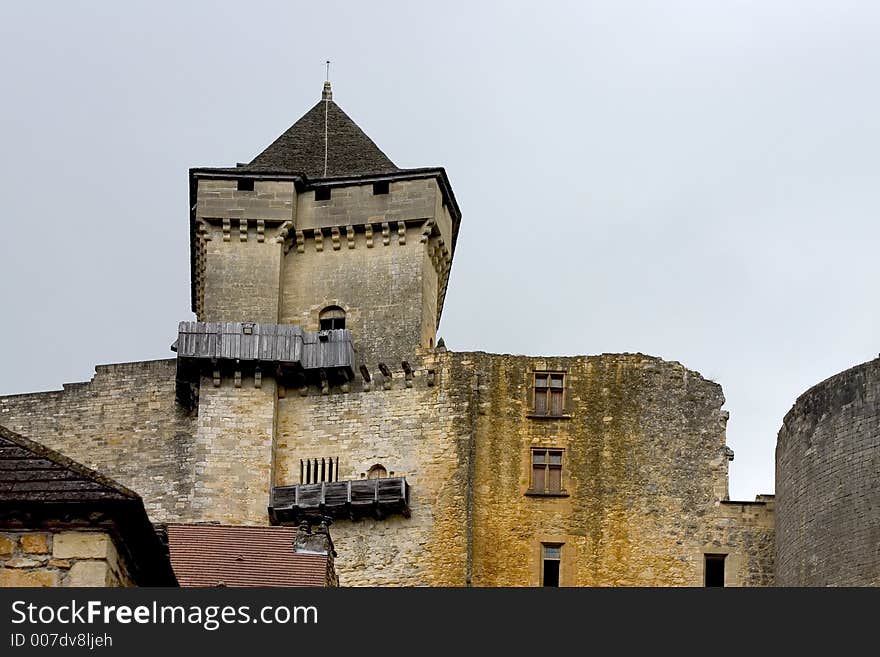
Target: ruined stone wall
{"points": [[63, 558], [423, 433], [644, 471], [124, 423], [827, 492]]}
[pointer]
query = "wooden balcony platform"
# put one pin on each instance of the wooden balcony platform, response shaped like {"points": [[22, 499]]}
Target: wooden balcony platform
{"points": [[377, 498]]}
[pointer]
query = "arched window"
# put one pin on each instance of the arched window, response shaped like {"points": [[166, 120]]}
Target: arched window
{"points": [[332, 317], [378, 471]]}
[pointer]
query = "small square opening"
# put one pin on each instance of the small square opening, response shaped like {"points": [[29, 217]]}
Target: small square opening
{"points": [[380, 188], [245, 184], [322, 193]]}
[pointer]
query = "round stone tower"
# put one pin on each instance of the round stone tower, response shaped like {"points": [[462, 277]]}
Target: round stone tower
{"points": [[828, 483]]}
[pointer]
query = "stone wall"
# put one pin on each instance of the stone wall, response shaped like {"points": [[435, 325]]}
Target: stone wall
{"points": [[379, 287], [62, 558], [744, 533], [124, 423], [644, 476], [240, 258], [233, 450], [407, 201], [645, 465], [828, 497], [423, 433]]}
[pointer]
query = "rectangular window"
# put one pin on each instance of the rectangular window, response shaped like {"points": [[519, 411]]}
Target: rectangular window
{"points": [[245, 185], [322, 193], [551, 558], [546, 471], [549, 391], [714, 569], [380, 188]]}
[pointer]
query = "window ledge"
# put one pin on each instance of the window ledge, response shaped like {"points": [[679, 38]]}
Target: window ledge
{"points": [[536, 493], [535, 416]]}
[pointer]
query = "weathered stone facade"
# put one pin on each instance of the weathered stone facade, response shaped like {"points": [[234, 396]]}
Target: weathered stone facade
{"points": [[827, 467], [645, 468], [60, 558]]}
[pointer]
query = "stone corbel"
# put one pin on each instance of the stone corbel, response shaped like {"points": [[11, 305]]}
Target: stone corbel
{"points": [[386, 376]]}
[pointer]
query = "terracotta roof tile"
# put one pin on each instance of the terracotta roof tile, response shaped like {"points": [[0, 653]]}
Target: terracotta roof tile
{"points": [[223, 555]]}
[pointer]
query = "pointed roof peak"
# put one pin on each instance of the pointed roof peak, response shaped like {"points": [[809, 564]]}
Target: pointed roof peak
{"points": [[324, 143]]}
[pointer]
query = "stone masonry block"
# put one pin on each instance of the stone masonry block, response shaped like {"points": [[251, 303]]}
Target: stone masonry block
{"points": [[30, 578], [81, 545], [88, 573], [35, 543], [7, 545]]}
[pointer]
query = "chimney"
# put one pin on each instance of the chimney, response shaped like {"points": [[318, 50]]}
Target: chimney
{"points": [[317, 542]]}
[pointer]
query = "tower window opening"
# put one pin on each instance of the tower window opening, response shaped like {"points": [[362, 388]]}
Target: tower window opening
{"points": [[714, 569], [245, 185], [322, 193], [331, 318], [380, 188], [551, 558], [378, 471]]}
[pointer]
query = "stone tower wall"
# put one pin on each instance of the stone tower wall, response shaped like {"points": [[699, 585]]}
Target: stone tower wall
{"points": [[828, 494]]}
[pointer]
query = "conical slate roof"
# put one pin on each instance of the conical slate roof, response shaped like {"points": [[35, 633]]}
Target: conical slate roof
{"points": [[301, 149]]}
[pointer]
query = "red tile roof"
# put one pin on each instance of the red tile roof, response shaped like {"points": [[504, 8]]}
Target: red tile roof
{"points": [[223, 555]]}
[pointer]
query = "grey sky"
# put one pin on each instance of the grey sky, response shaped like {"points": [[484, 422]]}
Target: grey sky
{"points": [[692, 180]]}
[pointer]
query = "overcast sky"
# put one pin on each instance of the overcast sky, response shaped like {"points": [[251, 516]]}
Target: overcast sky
{"points": [[692, 180]]}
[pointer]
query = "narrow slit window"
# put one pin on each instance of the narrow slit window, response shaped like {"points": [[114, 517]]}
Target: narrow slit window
{"points": [[714, 569]]}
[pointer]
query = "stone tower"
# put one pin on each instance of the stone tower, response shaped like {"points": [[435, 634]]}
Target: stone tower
{"points": [[318, 262], [323, 221]]}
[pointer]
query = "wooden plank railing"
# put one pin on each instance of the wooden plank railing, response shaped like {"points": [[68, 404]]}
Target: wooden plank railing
{"points": [[351, 498]]}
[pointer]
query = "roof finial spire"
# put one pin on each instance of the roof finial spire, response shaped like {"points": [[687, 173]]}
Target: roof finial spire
{"points": [[328, 93], [327, 96]]}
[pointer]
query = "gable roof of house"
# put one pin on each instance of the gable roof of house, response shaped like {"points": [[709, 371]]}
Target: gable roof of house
{"points": [[41, 489]]}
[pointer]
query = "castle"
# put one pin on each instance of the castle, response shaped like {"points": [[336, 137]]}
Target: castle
{"points": [[312, 384]]}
